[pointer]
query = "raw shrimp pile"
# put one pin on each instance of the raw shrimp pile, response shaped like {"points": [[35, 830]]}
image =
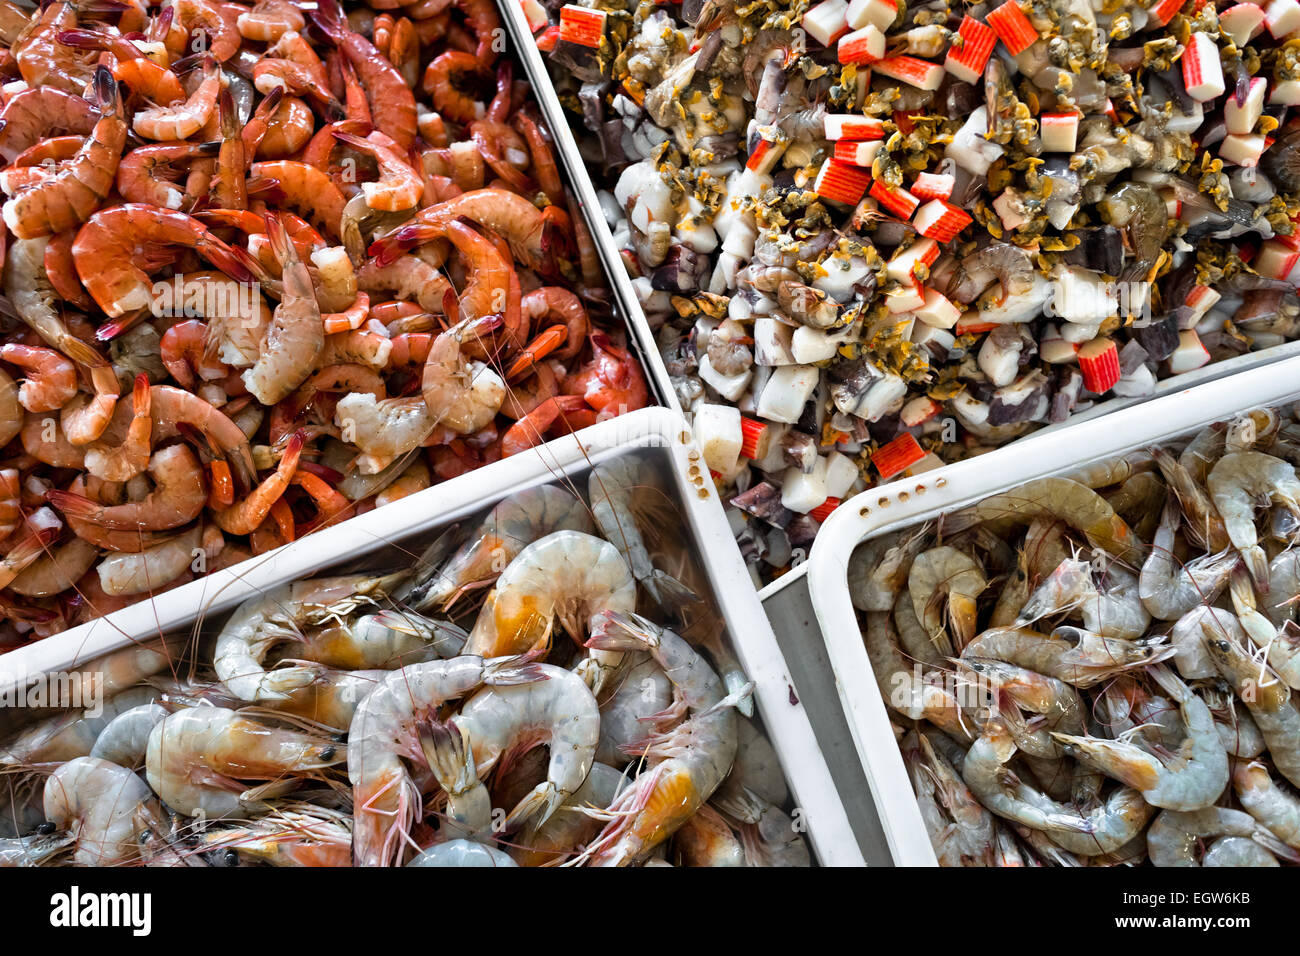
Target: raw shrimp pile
{"points": [[266, 267], [348, 720], [1097, 669], [876, 236]]}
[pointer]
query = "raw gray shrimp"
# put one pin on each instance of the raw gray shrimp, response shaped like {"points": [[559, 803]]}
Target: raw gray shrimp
{"points": [[913, 638], [1284, 584], [625, 496], [567, 575], [104, 806], [1237, 482], [1113, 610], [941, 575], [1057, 703], [1205, 448], [1237, 729], [643, 693], [461, 853], [1277, 808], [900, 684], [1100, 831], [195, 757], [1168, 587], [685, 765], [878, 569], [707, 839], [71, 733], [1238, 852], [1054, 498], [276, 616], [755, 767], [383, 731], [1266, 697], [509, 527], [1191, 658], [569, 827], [1112, 471], [33, 850], [1070, 654], [1174, 835], [1280, 645], [559, 711], [964, 835], [1204, 524], [1191, 778], [126, 737], [469, 807], [332, 698], [768, 835]]}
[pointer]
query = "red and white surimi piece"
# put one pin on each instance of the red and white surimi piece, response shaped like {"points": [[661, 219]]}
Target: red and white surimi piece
{"points": [[911, 70], [941, 220], [897, 456], [1099, 363], [1240, 119], [919, 410], [903, 265], [907, 299], [1242, 150], [861, 46], [827, 22], [1190, 354], [1242, 23], [1202, 68], [1275, 260], [547, 39], [859, 154], [1013, 27], [763, 157], [1161, 12], [842, 182], [848, 126], [967, 62], [1200, 300], [1282, 17], [894, 198], [1059, 131], [933, 185], [937, 310], [534, 13], [581, 25], [879, 13]]}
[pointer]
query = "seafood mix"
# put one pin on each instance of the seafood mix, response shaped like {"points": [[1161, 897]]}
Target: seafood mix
{"points": [[876, 237], [267, 266], [1097, 668], [513, 696]]}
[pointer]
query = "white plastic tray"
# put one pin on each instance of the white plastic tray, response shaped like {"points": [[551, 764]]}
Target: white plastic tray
{"points": [[412, 520], [911, 501]]}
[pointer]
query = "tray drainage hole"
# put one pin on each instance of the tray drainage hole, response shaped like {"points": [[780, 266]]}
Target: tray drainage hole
{"points": [[920, 489], [864, 512], [903, 496], [941, 483], [883, 502], [684, 438]]}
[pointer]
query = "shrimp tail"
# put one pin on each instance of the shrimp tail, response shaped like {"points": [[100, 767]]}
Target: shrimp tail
{"points": [[542, 801], [73, 504], [669, 593], [82, 353], [615, 631], [231, 260], [329, 17], [450, 760], [507, 671]]}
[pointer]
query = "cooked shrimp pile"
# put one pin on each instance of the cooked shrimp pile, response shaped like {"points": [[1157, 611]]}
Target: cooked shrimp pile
{"points": [[349, 720], [879, 236], [268, 267], [1097, 669]]}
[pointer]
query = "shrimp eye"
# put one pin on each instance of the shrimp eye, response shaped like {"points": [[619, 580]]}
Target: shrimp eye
{"points": [[231, 858], [46, 828], [327, 753]]}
